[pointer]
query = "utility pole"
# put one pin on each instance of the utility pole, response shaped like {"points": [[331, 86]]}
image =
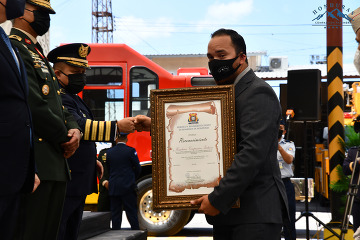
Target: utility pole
{"points": [[102, 21], [334, 31]]}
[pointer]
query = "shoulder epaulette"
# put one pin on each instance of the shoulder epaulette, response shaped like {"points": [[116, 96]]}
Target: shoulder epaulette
{"points": [[16, 37]]}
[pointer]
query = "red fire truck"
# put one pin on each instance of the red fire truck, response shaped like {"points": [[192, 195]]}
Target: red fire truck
{"points": [[118, 85]]}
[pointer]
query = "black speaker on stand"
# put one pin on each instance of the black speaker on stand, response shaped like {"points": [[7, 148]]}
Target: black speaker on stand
{"points": [[303, 97]]}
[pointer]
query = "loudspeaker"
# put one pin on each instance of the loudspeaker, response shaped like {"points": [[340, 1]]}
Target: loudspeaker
{"points": [[303, 94]]}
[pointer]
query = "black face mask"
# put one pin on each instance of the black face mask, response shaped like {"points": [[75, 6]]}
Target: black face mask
{"points": [[221, 69], [41, 23], [280, 133], [14, 8], [76, 83]]}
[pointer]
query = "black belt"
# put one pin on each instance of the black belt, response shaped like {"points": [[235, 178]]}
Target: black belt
{"points": [[287, 179]]}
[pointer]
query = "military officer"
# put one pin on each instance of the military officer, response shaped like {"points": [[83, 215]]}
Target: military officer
{"points": [[70, 64], [56, 133]]}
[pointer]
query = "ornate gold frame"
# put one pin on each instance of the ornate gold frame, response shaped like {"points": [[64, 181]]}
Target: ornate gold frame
{"points": [[224, 94]]}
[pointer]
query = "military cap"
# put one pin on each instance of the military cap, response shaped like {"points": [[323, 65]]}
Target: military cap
{"points": [[355, 19], [44, 4], [73, 54]]}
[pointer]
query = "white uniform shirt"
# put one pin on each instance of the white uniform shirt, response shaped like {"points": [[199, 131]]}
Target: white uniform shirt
{"points": [[286, 169]]}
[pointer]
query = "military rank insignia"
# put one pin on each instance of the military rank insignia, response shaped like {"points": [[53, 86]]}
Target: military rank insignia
{"points": [[83, 51], [193, 118], [45, 89]]}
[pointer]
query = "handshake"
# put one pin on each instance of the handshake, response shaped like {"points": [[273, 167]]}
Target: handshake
{"points": [[139, 123]]}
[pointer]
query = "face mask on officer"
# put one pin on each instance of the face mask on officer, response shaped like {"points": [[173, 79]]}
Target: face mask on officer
{"points": [[41, 23], [14, 8], [357, 60], [222, 69], [76, 83]]}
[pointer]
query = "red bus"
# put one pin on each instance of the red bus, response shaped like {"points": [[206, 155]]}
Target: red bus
{"points": [[118, 85]]}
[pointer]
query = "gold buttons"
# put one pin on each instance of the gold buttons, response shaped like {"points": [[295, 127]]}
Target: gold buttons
{"points": [[58, 92], [54, 78], [65, 121], [40, 139]]}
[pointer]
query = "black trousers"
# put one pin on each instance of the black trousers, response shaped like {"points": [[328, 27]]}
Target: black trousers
{"points": [[103, 202], [356, 214], [290, 231], [9, 211], [255, 231], [71, 217], [41, 212], [129, 202]]}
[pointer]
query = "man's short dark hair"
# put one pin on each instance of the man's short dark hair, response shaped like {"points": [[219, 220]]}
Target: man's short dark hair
{"points": [[236, 39]]}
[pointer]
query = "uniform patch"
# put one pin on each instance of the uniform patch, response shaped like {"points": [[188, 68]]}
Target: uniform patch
{"points": [[45, 89], [16, 37], [27, 41]]}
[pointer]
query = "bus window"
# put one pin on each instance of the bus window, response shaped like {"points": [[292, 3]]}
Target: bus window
{"points": [[104, 76], [105, 104], [142, 80]]}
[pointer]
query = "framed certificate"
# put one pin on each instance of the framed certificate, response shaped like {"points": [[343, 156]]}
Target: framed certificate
{"points": [[193, 142]]}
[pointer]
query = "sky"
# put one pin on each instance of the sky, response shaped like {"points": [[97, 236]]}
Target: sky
{"points": [[279, 27]]}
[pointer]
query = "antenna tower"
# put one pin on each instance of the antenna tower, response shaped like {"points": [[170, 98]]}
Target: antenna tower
{"points": [[102, 21]]}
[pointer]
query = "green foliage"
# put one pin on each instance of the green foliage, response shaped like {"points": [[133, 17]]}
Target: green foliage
{"points": [[351, 138], [342, 185]]}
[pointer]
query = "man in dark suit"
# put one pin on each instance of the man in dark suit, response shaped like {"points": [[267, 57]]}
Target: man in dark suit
{"points": [[124, 169], [56, 133], [254, 176], [70, 64], [17, 171]]}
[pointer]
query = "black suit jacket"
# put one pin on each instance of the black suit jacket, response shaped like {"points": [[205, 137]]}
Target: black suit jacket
{"points": [[17, 162], [124, 168], [254, 176]]}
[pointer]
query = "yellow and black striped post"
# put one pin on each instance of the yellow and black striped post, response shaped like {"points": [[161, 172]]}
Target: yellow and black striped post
{"points": [[335, 103]]}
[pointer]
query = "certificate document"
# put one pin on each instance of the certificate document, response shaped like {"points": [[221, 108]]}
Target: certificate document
{"points": [[193, 138], [193, 143]]}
